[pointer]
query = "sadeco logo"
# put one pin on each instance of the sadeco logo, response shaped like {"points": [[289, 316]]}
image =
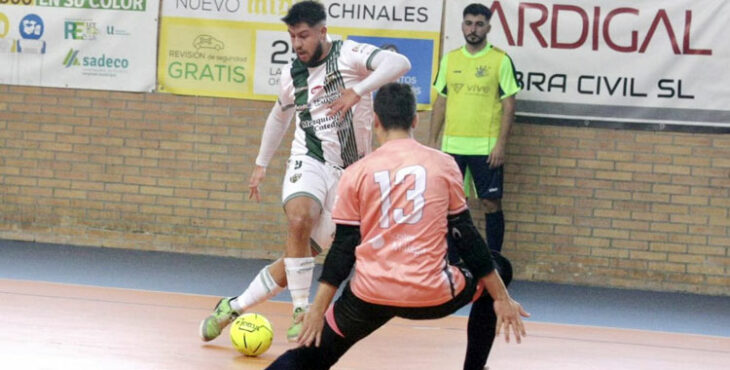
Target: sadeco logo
{"points": [[73, 59]]}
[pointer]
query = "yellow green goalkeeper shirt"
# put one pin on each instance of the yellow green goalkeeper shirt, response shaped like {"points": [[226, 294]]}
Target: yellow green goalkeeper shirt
{"points": [[474, 86]]}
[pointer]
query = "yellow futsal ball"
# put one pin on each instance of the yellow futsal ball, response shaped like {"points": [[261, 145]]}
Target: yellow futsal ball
{"points": [[251, 334]]}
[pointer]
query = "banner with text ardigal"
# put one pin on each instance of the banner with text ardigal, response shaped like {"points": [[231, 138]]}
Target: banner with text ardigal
{"points": [[237, 48], [653, 61], [87, 44]]}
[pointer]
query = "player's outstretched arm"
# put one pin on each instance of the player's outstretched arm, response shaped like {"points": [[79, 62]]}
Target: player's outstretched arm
{"points": [[275, 128], [313, 321], [474, 251], [336, 269], [348, 98], [509, 312], [258, 174], [387, 67]]}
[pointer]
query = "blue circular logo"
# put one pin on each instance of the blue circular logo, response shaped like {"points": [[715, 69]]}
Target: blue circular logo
{"points": [[31, 27]]}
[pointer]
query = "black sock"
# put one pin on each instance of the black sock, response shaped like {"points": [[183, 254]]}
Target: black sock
{"points": [[495, 230], [480, 332], [483, 321]]}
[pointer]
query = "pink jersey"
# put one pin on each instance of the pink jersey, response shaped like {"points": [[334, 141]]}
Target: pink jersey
{"points": [[400, 196]]}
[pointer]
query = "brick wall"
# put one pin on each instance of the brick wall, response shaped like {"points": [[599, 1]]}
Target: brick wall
{"points": [[145, 171], [622, 208], [162, 172]]}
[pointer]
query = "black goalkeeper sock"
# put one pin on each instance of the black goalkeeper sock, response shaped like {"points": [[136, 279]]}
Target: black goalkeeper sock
{"points": [[495, 230], [480, 332], [483, 321]]}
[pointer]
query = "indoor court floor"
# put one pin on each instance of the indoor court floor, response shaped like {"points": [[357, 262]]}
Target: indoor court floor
{"points": [[64, 307]]}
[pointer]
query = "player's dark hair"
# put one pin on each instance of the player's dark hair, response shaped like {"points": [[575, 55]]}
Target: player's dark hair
{"points": [[309, 12], [395, 106], [478, 9]]}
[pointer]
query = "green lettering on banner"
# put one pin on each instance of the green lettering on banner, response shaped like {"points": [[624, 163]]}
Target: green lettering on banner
{"points": [[128, 5], [217, 73]]}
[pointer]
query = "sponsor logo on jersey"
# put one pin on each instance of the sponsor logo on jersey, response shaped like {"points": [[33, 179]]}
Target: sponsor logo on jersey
{"points": [[316, 90]]}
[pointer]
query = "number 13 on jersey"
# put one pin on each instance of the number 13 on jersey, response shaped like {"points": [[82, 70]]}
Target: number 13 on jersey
{"points": [[413, 196]]}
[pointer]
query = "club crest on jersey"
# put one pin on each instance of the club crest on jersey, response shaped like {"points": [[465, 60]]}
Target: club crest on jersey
{"points": [[481, 71], [295, 177], [331, 77]]}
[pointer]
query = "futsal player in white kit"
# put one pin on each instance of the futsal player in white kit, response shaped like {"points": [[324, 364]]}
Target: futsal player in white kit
{"points": [[328, 88]]}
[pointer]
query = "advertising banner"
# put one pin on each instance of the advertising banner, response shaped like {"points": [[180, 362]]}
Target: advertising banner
{"points": [[87, 44], [237, 48], [653, 61]]}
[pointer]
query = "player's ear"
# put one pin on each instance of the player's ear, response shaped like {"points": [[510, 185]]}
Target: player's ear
{"points": [[415, 121]]}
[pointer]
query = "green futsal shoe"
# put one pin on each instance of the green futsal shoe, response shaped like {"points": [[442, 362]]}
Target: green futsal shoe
{"points": [[224, 314], [296, 327]]}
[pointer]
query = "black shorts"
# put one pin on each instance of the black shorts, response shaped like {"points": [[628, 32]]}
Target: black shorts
{"points": [[488, 181], [354, 319], [357, 318], [351, 319]]}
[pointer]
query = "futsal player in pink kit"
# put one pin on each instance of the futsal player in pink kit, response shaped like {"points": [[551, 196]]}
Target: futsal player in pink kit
{"points": [[393, 210]]}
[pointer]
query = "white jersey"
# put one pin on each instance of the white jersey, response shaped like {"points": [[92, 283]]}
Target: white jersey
{"points": [[339, 141]]}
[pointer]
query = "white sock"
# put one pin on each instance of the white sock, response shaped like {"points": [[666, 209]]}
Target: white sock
{"points": [[299, 273], [262, 288]]}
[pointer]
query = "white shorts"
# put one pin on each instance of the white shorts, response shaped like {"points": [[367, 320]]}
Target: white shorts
{"points": [[308, 177]]}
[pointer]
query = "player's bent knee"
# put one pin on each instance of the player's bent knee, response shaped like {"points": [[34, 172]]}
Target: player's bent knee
{"points": [[301, 224], [492, 205]]}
